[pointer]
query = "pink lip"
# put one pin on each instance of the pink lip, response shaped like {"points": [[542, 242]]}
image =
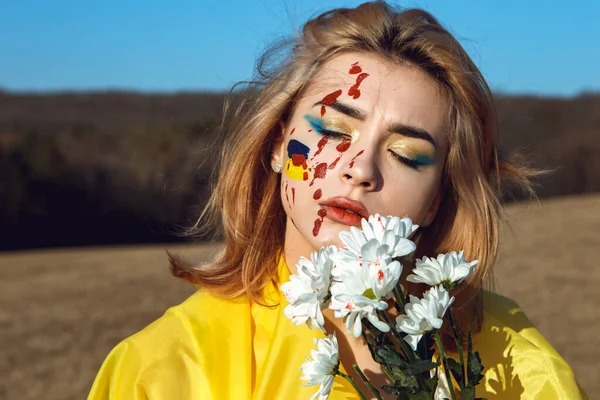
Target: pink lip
{"points": [[337, 210]]}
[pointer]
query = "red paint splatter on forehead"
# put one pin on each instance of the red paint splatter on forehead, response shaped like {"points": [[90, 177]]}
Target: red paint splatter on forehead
{"points": [[329, 100], [354, 91], [355, 69], [331, 97]]}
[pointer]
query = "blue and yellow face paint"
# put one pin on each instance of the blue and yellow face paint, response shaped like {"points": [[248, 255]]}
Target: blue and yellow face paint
{"points": [[297, 167]]}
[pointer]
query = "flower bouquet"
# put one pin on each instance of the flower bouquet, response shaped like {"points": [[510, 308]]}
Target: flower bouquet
{"points": [[359, 283]]}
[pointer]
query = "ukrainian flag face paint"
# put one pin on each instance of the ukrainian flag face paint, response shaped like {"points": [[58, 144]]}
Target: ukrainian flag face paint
{"points": [[297, 164]]}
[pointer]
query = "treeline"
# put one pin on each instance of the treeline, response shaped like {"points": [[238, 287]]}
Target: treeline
{"points": [[106, 168]]}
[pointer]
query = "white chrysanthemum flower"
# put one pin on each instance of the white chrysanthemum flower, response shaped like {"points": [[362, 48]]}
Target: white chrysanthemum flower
{"points": [[355, 307], [322, 368], [359, 291], [424, 315], [448, 269], [379, 236], [306, 292]]}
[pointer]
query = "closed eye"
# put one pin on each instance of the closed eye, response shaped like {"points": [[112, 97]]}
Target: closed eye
{"points": [[332, 134], [317, 126], [415, 164]]}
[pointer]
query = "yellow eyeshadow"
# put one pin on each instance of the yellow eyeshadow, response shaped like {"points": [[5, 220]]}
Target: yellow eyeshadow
{"points": [[339, 125], [414, 152]]}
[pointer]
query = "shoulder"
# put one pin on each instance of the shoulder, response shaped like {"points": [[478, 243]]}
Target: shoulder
{"points": [[189, 323], [172, 355], [519, 361]]}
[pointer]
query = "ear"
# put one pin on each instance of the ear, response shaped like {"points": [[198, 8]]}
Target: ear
{"points": [[277, 149], [433, 209]]}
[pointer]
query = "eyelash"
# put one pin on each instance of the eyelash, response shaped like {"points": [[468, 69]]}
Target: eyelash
{"points": [[329, 133], [332, 134], [408, 162]]}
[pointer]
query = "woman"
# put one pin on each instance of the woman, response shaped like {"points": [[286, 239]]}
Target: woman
{"points": [[374, 110]]}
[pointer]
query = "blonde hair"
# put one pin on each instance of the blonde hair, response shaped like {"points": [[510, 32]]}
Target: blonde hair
{"points": [[246, 198]]}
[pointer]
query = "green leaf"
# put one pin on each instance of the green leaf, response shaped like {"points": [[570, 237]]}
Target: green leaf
{"points": [[402, 378], [390, 357], [457, 371], [420, 366], [468, 393], [474, 369], [431, 383]]}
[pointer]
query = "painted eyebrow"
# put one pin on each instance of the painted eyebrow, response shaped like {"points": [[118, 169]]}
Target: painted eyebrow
{"points": [[401, 129]]}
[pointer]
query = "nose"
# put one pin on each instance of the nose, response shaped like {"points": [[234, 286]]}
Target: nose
{"points": [[360, 169]]}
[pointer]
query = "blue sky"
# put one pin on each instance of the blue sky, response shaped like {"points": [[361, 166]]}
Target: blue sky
{"points": [[538, 47]]}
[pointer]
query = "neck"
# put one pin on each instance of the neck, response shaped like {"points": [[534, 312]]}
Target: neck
{"points": [[295, 246]]}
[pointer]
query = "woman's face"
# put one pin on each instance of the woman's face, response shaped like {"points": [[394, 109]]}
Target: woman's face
{"points": [[368, 136]]}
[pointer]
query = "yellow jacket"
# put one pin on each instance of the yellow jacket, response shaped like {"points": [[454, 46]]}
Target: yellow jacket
{"points": [[209, 348]]}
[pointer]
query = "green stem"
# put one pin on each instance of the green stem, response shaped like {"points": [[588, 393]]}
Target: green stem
{"points": [[458, 340], [408, 351], [399, 297], [354, 385], [366, 381], [442, 350]]}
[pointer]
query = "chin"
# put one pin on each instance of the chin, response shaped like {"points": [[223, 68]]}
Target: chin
{"points": [[328, 237]]}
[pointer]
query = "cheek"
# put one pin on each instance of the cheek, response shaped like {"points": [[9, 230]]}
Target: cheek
{"points": [[409, 193]]}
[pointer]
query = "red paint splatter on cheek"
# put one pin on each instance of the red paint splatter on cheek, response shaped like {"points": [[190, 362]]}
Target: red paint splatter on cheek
{"points": [[317, 227], [320, 172], [334, 163], [299, 160], [318, 194], [287, 197], [354, 90], [320, 146], [319, 221], [345, 145], [355, 69], [355, 157], [342, 147], [294, 196], [292, 131]]}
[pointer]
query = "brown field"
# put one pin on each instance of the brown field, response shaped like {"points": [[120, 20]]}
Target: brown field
{"points": [[63, 310]]}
